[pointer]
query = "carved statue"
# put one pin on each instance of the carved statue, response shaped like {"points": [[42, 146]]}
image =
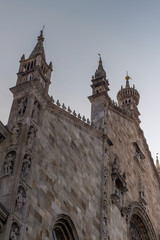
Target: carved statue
{"points": [[13, 234], [8, 164], [30, 138], [35, 113], [26, 165], [22, 106], [20, 200], [15, 133]]}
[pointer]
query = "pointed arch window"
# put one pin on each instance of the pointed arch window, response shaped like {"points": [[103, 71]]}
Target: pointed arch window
{"points": [[64, 229]]}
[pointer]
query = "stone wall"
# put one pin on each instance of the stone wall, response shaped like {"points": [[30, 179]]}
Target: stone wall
{"points": [[66, 178]]}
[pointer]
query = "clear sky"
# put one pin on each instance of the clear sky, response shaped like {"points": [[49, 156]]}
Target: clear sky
{"points": [[125, 32]]}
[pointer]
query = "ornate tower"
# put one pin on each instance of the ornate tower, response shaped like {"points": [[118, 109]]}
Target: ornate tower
{"points": [[128, 98], [35, 67], [99, 98], [30, 98]]}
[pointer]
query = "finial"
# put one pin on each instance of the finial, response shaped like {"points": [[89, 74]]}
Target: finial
{"points": [[40, 37], [100, 71], [157, 161], [51, 66], [127, 76], [127, 80], [23, 57]]}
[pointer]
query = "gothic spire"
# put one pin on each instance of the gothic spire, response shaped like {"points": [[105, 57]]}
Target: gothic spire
{"points": [[100, 72], [39, 49]]}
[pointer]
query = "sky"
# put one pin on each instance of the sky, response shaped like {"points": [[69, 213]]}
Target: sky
{"points": [[125, 32]]}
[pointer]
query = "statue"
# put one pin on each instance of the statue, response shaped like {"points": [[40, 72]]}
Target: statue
{"points": [[15, 133], [20, 200], [26, 165], [35, 112], [13, 234], [22, 106], [30, 139], [8, 164]]}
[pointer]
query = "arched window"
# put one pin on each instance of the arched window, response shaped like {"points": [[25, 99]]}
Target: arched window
{"points": [[138, 230], [140, 226], [64, 229]]}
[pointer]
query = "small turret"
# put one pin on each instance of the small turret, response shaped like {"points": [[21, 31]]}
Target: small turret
{"points": [[128, 98]]}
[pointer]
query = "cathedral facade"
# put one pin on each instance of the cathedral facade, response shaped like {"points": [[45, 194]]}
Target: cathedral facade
{"points": [[64, 177]]}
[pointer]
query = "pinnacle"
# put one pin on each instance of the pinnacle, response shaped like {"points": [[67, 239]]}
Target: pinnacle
{"points": [[39, 49], [100, 72], [157, 161]]}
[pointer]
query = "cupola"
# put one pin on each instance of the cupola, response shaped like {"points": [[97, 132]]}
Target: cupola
{"points": [[128, 98]]}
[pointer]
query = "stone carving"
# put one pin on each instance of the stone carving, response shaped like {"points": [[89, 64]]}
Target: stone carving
{"points": [[13, 235], [105, 205], [20, 199], [141, 192], [15, 232], [138, 217], [138, 156], [35, 112], [105, 177], [30, 137], [26, 166], [9, 163], [104, 227], [15, 133], [134, 233], [22, 106], [119, 186]]}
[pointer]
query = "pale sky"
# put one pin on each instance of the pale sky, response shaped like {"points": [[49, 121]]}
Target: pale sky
{"points": [[125, 32]]}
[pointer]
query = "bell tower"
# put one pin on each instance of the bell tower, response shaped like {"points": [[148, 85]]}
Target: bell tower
{"points": [[99, 98], [30, 100], [35, 67], [34, 73]]}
